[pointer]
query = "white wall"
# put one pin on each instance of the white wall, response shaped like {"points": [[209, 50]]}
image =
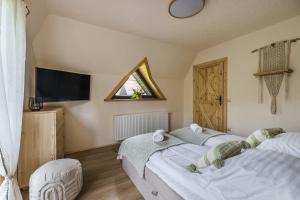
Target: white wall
{"points": [[38, 13], [89, 124], [66, 42], [34, 21], [108, 55], [244, 112]]}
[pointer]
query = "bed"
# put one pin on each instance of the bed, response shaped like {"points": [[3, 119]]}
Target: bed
{"points": [[257, 174]]}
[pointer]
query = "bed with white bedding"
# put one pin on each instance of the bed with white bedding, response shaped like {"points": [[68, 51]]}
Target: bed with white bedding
{"points": [[255, 174]]}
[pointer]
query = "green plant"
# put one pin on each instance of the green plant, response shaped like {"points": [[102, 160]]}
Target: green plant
{"points": [[137, 94]]}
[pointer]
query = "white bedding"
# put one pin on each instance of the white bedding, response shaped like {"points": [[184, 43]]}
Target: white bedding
{"points": [[213, 141], [253, 175], [288, 143]]}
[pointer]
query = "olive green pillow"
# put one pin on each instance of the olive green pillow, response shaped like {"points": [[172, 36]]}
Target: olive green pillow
{"points": [[262, 134], [216, 155]]}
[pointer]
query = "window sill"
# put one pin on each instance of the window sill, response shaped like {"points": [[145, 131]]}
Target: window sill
{"points": [[146, 99]]}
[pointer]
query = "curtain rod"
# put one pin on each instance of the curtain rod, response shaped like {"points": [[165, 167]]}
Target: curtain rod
{"points": [[292, 40]]}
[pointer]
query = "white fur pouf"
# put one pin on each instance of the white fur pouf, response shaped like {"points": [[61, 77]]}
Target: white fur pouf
{"points": [[56, 180]]}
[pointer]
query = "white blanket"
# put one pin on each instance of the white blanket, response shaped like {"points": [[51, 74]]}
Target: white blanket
{"points": [[253, 175]]}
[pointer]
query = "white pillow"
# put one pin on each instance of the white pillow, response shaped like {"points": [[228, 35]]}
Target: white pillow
{"points": [[288, 143]]}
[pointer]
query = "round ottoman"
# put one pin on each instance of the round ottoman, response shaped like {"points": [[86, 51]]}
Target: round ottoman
{"points": [[56, 180]]}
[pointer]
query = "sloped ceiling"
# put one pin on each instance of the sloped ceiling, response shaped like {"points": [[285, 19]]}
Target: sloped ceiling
{"points": [[111, 36], [73, 45], [219, 21]]}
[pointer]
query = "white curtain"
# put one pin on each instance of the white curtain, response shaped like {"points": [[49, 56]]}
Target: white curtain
{"points": [[12, 74]]}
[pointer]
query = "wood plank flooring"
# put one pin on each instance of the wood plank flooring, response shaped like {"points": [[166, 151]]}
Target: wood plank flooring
{"points": [[103, 176]]}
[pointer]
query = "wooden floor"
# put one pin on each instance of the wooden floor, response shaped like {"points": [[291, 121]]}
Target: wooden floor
{"points": [[103, 176]]}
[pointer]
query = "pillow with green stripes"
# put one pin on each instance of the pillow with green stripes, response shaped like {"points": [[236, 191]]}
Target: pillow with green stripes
{"points": [[216, 155], [262, 134]]}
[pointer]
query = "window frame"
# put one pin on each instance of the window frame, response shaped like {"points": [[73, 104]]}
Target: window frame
{"points": [[156, 92], [153, 95]]}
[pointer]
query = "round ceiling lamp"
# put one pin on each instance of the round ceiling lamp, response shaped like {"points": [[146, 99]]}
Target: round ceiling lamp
{"points": [[185, 8]]}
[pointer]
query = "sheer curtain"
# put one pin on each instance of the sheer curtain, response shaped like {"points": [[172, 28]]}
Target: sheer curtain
{"points": [[12, 74]]}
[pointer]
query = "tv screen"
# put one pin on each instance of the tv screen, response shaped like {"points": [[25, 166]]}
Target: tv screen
{"points": [[53, 85]]}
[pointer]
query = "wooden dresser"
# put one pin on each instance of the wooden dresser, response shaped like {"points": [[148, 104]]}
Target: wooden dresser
{"points": [[42, 140]]}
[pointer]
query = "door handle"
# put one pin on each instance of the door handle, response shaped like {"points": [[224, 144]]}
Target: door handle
{"points": [[220, 100]]}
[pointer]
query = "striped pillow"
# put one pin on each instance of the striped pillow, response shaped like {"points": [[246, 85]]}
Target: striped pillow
{"points": [[216, 155], [260, 135]]}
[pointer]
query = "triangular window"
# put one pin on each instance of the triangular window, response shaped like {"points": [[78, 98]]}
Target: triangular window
{"points": [[134, 82], [137, 85]]}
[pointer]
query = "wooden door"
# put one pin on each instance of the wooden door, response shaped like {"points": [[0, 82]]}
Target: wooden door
{"points": [[210, 94]]}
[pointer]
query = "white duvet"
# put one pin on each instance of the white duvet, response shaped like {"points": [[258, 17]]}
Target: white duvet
{"points": [[253, 175]]}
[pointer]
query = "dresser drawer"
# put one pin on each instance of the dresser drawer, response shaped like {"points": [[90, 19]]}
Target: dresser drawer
{"points": [[42, 140]]}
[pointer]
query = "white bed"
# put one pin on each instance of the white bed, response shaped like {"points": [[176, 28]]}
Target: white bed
{"points": [[254, 175]]}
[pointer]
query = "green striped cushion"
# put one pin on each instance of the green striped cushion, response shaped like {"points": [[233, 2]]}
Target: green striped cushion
{"points": [[216, 155], [260, 135]]}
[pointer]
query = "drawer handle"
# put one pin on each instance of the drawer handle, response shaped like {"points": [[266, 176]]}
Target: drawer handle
{"points": [[154, 193]]}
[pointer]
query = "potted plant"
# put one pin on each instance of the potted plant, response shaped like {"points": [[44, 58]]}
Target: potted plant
{"points": [[137, 94]]}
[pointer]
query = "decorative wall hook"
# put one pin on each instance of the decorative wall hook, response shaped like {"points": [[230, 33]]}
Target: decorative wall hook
{"points": [[28, 11]]}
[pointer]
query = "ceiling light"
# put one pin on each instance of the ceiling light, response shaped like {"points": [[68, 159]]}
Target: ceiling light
{"points": [[185, 8]]}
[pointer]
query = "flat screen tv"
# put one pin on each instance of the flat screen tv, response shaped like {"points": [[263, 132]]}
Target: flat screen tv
{"points": [[53, 85]]}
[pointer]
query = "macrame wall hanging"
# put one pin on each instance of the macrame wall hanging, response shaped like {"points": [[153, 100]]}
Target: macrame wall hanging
{"points": [[273, 68]]}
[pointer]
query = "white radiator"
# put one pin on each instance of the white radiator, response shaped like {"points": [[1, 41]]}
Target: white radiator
{"points": [[129, 125]]}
